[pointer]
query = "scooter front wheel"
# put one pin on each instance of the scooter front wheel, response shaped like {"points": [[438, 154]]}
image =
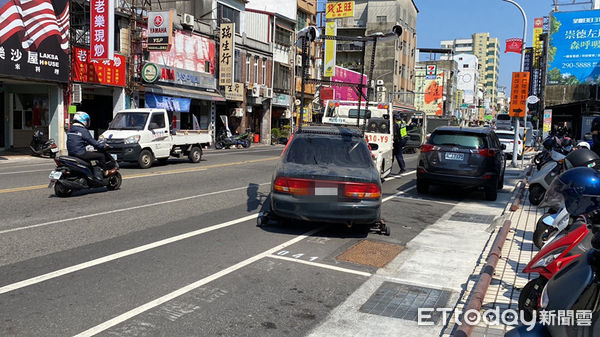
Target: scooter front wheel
{"points": [[114, 181], [61, 190], [530, 295]]}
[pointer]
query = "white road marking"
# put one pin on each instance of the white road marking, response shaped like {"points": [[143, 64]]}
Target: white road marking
{"points": [[17, 172], [125, 209], [427, 200], [398, 176], [95, 262], [398, 194], [181, 291], [321, 265]]}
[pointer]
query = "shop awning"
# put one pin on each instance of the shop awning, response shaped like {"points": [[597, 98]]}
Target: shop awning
{"points": [[182, 92]]}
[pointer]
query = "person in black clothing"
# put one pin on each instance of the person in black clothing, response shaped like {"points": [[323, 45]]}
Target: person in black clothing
{"points": [[400, 140], [78, 137]]}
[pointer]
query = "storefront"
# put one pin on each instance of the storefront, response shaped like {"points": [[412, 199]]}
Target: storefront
{"points": [[281, 111], [100, 86], [33, 75]]}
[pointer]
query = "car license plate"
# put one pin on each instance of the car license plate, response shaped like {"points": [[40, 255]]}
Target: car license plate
{"points": [[54, 149], [326, 189], [55, 175], [454, 156], [114, 156]]}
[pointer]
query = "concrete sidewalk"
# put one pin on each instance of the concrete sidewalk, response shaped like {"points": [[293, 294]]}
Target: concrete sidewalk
{"points": [[437, 269]]}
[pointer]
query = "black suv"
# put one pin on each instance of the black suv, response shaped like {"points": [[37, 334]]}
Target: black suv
{"points": [[465, 157]]}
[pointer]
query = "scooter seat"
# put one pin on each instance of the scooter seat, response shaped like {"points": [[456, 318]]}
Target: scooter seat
{"points": [[75, 159]]}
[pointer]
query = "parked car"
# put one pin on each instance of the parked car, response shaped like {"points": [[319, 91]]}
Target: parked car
{"points": [[465, 157], [327, 174], [508, 139]]}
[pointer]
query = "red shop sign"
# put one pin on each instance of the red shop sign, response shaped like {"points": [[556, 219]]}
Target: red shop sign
{"points": [[102, 26], [109, 72]]}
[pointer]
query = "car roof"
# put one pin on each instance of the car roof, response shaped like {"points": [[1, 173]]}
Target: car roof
{"points": [[330, 130], [479, 130]]}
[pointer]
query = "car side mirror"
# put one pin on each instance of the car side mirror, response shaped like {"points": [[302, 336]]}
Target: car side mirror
{"points": [[503, 146]]}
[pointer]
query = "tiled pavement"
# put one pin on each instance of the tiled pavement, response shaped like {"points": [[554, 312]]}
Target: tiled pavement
{"points": [[503, 291]]}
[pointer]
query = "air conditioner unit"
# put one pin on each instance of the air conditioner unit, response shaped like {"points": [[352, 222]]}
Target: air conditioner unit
{"points": [[255, 90], [187, 20], [268, 93], [76, 94]]}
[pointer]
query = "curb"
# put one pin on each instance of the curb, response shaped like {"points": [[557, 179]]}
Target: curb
{"points": [[485, 278], [521, 190]]}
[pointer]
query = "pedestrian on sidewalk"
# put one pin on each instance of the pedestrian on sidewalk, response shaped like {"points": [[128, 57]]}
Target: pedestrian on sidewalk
{"points": [[400, 139]]}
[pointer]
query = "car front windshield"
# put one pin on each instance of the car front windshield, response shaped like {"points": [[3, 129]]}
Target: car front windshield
{"points": [[330, 150], [129, 121]]}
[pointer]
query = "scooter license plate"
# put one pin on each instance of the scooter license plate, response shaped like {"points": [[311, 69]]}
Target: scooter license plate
{"points": [[55, 175], [114, 156], [54, 149]]}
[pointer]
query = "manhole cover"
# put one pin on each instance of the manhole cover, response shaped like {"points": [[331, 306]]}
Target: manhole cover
{"points": [[403, 301], [472, 217], [371, 253]]}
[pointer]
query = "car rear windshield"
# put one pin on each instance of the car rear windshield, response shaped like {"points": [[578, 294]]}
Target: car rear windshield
{"points": [[462, 139], [503, 117], [345, 151]]}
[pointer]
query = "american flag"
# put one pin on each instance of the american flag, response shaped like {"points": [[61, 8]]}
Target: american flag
{"points": [[34, 21]]}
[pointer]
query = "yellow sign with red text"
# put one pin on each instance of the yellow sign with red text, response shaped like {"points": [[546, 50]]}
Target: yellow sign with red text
{"points": [[341, 9], [518, 94]]}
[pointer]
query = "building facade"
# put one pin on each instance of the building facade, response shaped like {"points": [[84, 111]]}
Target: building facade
{"points": [[395, 59], [487, 51]]}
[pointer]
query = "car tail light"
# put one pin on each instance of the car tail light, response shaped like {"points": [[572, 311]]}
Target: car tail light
{"points": [[421, 170], [294, 186], [487, 152], [362, 191], [429, 147]]}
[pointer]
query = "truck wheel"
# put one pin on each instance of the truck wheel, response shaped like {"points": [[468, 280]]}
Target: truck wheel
{"points": [[195, 154], [146, 159]]}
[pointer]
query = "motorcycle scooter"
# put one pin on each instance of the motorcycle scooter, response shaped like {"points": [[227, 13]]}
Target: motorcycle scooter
{"points": [[41, 147], [73, 174], [225, 141], [575, 287], [541, 180]]}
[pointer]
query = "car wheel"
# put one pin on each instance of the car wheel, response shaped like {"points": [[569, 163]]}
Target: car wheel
{"points": [[536, 194], [145, 160], [501, 182], [422, 187], [491, 191], [529, 296], [195, 154]]}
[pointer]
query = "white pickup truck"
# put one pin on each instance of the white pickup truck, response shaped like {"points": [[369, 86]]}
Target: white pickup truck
{"points": [[143, 135]]}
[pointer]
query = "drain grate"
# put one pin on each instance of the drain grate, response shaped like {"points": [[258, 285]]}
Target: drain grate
{"points": [[403, 301], [472, 217], [371, 253]]}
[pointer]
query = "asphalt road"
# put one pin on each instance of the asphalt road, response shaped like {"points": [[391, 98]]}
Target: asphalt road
{"points": [[176, 251]]}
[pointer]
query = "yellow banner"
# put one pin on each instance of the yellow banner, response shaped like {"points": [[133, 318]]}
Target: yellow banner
{"points": [[331, 30], [226, 53], [342, 9]]}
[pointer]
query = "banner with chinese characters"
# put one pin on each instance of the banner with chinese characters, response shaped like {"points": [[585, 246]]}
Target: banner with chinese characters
{"points": [[514, 45], [102, 29], [189, 52], [226, 53], [36, 48], [234, 92], [538, 29], [109, 72], [518, 94], [342, 9], [330, 46], [547, 122]]}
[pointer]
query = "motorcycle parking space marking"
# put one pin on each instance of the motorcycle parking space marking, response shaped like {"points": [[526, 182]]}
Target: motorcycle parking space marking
{"points": [[398, 176], [190, 287], [320, 265], [427, 200]]}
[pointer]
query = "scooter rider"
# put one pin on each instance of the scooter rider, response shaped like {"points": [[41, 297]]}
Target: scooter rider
{"points": [[78, 137]]}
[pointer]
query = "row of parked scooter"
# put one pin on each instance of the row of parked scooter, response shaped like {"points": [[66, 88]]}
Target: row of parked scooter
{"points": [[566, 184]]}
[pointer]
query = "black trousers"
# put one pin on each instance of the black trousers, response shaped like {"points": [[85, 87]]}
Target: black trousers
{"points": [[97, 156]]}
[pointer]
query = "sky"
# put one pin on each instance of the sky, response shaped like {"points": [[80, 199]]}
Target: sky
{"points": [[450, 19]]}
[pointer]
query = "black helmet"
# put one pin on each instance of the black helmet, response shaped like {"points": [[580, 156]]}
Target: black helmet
{"points": [[581, 158], [595, 124]]}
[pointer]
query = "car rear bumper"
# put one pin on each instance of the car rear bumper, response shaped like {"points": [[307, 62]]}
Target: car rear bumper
{"points": [[360, 212], [454, 180]]}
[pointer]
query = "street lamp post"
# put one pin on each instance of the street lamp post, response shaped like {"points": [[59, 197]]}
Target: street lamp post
{"points": [[516, 139]]}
